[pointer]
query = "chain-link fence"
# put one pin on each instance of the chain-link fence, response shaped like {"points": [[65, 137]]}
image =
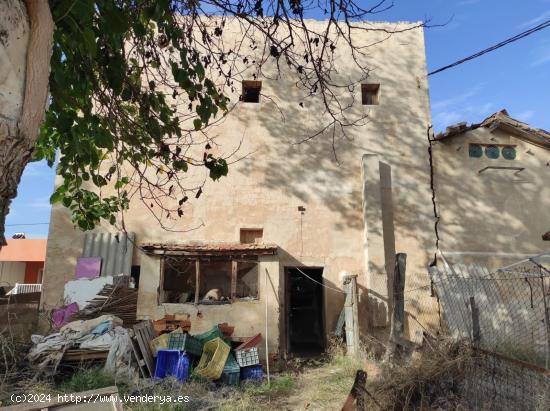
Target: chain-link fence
{"points": [[505, 313]]}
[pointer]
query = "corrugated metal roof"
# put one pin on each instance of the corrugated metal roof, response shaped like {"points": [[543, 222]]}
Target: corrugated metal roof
{"points": [[116, 251], [24, 250]]}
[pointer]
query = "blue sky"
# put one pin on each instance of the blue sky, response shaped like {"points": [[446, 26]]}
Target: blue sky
{"points": [[516, 77]]}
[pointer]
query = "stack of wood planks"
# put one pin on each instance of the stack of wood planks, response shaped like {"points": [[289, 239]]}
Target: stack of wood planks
{"points": [[115, 300]]}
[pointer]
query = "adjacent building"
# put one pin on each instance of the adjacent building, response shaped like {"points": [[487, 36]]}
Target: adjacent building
{"points": [[22, 262], [491, 190]]}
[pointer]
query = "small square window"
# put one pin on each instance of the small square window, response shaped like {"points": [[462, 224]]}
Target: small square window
{"points": [[251, 235], [369, 94], [251, 91]]}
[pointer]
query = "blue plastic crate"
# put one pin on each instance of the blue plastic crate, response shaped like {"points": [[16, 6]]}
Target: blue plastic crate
{"points": [[253, 372], [172, 362]]}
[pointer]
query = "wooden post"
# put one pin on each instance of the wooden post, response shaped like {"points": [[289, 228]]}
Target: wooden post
{"points": [[398, 314], [351, 314], [357, 393], [233, 280], [476, 333], [197, 280]]}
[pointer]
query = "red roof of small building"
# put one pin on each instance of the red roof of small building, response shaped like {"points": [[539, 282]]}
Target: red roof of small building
{"points": [[24, 250]]}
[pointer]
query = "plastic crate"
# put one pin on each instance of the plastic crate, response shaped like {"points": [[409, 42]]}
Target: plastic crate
{"points": [[161, 342], [247, 357], [179, 340], [214, 332], [172, 362], [254, 372], [213, 359], [231, 373]]}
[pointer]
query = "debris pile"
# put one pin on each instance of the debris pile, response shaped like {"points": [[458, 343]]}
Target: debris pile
{"points": [[99, 338], [112, 299]]}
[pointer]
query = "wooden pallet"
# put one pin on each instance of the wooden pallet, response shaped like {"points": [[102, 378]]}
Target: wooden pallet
{"points": [[144, 333], [76, 355], [144, 371]]}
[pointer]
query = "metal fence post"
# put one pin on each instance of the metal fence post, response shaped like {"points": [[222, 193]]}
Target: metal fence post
{"points": [[476, 332]]}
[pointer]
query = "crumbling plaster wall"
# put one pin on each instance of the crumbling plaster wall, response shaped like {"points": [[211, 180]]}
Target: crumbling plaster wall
{"points": [[498, 216], [274, 175]]}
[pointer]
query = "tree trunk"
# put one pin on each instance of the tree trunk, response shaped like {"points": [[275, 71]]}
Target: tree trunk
{"points": [[26, 39]]}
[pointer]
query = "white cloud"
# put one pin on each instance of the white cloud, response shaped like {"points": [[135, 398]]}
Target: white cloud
{"points": [[461, 107], [535, 20], [447, 118], [456, 100], [541, 55], [42, 202], [37, 169], [467, 2], [525, 115]]}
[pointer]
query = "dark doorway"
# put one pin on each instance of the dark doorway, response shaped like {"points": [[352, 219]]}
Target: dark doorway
{"points": [[305, 331]]}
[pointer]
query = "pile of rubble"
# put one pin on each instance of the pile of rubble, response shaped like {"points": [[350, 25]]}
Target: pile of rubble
{"points": [[106, 332], [101, 338]]}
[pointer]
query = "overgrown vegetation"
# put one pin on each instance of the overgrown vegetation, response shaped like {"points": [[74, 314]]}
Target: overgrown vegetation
{"points": [[430, 379], [314, 383]]}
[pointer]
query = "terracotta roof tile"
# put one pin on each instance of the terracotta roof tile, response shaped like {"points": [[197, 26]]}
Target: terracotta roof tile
{"points": [[499, 119], [211, 247]]}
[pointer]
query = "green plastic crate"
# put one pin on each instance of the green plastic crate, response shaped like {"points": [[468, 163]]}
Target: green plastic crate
{"points": [[231, 373], [184, 342], [214, 332]]}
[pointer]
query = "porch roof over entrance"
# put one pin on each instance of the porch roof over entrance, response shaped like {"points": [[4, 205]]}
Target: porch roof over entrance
{"points": [[200, 249]]}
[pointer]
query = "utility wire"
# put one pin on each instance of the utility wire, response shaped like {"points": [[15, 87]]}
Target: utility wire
{"points": [[321, 284], [496, 46], [14, 225]]}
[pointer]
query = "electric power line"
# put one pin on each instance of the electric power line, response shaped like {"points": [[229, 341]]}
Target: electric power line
{"points": [[496, 46], [15, 225]]}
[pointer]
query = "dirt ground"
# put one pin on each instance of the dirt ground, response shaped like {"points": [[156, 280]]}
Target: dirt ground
{"points": [[325, 387]]}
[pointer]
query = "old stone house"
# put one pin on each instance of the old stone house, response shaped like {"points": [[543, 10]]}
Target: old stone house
{"points": [[492, 191], [289, 219]]}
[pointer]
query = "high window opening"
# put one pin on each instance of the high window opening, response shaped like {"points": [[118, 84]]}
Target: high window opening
{"points": [[370, 94], [251, 91], [251, 235]]}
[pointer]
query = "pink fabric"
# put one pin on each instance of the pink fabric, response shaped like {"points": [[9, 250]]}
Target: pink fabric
{"points": [[61, 316]]}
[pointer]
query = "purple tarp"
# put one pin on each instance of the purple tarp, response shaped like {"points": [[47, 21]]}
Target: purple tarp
{"points": [[62, 316], [88, 267]]}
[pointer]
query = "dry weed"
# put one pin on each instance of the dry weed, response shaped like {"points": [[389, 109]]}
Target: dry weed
{"points": [[430, 379]]}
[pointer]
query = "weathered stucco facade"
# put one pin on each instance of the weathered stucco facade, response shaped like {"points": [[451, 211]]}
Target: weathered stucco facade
{"points": [[493, 211], [361, 206]]}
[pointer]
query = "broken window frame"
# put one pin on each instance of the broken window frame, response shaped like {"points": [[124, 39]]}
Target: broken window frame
{"points": [[197, 285]]}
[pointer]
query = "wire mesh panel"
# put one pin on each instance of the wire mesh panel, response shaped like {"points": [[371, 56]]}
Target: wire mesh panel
{"points": [[512, 308], [493, 382]]}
